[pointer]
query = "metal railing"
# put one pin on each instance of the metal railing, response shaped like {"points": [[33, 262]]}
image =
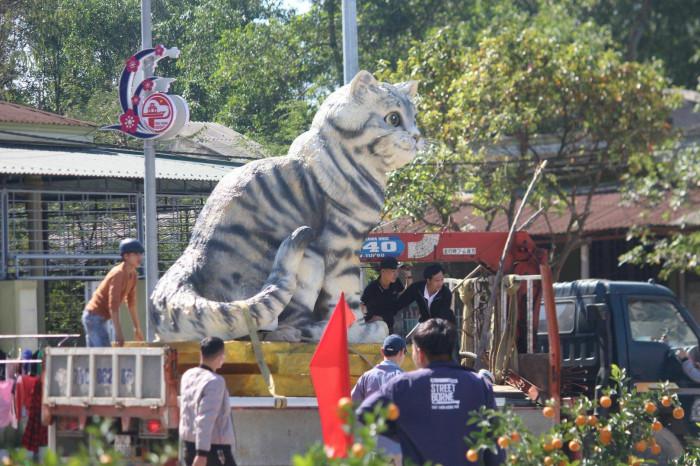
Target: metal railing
{"points": [[59, 235]]}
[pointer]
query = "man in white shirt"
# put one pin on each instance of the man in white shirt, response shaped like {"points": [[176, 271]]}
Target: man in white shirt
{"points": [[433, 297]]}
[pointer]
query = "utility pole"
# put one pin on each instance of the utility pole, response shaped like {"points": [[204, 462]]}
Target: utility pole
{"points": [[149, 183], [350, 62]]}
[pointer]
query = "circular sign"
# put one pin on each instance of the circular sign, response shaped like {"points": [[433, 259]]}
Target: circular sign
{"points": [[157, 112]]}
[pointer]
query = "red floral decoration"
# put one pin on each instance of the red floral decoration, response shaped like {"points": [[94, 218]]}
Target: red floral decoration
{"points": [[160, 50], [132, 64], [135, 100], [129, 121], [148, 85]]}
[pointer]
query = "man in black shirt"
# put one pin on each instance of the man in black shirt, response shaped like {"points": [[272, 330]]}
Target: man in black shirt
{"points": [[433, 297], [380, 295]]}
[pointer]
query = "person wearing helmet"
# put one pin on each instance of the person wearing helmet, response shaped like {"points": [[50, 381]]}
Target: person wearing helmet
{"points": [[117, 287]]}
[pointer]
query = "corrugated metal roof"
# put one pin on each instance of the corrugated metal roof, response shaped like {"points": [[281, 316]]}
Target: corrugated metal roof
{"points": [[14, 113], [103, 163]]}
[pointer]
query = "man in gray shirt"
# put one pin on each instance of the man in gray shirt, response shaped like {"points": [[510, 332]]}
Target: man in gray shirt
{"points": [[205, 414], [394, 352]]}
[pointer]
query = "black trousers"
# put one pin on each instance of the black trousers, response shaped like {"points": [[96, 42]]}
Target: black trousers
{"points": [[219, 455]]}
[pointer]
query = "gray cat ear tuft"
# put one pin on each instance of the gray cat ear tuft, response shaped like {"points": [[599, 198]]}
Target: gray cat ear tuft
{"points": [[410, 88], [362, 80]]}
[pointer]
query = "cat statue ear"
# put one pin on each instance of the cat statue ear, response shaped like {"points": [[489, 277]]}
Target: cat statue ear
{"points": [[361, 82], [410, 88]]}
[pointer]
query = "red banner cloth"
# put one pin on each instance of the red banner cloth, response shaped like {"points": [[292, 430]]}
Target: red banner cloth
{"points": [[330, 374]]}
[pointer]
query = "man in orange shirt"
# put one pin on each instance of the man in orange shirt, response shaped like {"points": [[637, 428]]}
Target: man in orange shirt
{"points": [[118, 286]]}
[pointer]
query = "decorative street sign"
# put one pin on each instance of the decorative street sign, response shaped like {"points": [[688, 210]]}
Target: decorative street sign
{"points": [[149, 112]]}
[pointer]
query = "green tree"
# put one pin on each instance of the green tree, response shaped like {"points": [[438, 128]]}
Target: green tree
{"points": [[533, 87], [73, 48], [198, 29], [266, 77], [647, 30], [670, 181]]}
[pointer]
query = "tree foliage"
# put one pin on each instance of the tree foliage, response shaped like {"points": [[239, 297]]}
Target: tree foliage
{"points": [[621, 434], [534, 87], [671, 181]]}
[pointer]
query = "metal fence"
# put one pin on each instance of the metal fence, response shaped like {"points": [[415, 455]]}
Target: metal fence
{"points": [[59, 235]]}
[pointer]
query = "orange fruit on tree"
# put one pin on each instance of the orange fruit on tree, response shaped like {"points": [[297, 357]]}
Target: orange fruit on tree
{"points": [[344, 404], [655, 449], [650, 407], [357, 450], [605, 402], [678, 413], [548, 447], [548, 461], [580, 420], [503, 441], [392, 412], [562, 463], [666, 401], [557, 443], [656, 425], [548, 411], [640, 446], [592, 420], [514, 437], [472, 455], [605, 435], [575, 445]]}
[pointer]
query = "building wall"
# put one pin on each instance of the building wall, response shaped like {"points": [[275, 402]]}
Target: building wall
{"points": [[19, 313]]}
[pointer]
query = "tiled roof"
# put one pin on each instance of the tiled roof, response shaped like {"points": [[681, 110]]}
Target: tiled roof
{"points": [[608, 213], [14, 113]]}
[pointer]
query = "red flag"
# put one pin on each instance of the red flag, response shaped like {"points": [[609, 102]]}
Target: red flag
{"points": [[330, 374]]}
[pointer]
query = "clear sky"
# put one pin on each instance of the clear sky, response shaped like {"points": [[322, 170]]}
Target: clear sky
{"points": [[302, 6]]}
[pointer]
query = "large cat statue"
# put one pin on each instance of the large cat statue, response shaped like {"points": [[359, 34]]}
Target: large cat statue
{"points": [[282, 234]]}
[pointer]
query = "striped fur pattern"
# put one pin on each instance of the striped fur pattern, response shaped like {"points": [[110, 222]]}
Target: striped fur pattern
{"points": [[281, 234]]}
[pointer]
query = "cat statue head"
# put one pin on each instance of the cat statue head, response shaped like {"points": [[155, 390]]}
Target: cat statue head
{"points": [[372, 123]]}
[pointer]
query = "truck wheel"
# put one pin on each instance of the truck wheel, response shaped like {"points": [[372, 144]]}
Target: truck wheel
{"points": [[671, 447]]}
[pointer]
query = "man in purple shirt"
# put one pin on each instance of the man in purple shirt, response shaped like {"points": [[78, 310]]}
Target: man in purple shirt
{"points": [[436, 401], [394, 352]]}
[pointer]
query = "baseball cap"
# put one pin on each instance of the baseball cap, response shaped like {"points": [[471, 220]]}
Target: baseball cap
{"points": [[389, 263], [393, 344]]}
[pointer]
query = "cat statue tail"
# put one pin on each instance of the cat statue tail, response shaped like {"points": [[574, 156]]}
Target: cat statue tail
{"points": [[181, 314]]}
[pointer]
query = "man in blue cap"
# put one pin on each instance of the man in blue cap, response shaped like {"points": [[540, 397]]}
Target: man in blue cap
{"points": [[117, 287], [394, 352]]}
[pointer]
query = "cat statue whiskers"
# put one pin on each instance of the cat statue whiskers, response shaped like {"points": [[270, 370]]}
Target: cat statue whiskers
{"points": [[282, 234]]}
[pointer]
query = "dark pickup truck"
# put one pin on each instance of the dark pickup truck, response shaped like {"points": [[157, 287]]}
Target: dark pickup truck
{"points": [[636, 325]]}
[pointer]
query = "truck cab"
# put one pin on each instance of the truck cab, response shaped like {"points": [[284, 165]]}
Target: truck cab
{"points": [[635, 325]]}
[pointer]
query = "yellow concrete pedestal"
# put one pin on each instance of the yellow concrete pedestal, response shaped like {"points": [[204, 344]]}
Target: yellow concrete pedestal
{"points": [[288, 363]]}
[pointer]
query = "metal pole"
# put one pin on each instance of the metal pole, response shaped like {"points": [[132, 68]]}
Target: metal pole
{"points": [[4, 233], [149, 183], [350, 61]]}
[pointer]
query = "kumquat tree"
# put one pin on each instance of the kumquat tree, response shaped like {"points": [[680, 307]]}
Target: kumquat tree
{"points": [[622, 427], [619, 428]]}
